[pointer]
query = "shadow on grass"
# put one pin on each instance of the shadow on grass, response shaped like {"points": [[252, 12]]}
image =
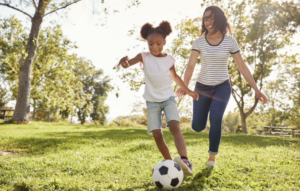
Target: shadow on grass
{"points": [[196, 183], [45, 141]]}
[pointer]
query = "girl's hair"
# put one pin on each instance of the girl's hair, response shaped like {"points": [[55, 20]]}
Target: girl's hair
{"points": [[164, 29], [221, 20]]}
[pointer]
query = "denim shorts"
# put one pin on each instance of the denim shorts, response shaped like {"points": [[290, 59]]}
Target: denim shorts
{"points": [[154, 111]]}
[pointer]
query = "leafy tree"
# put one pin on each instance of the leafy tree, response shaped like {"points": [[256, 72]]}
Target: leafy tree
{"points": [[41, 8], [95, 89]]}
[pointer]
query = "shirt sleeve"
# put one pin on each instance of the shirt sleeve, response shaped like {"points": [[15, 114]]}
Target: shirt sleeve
{"points": [[196, 45], [173, 60], [234, 46], [144, 55]]}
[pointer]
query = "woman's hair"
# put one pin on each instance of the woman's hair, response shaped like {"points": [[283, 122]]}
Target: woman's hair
{"points": [[220, 20], [164, 29]]}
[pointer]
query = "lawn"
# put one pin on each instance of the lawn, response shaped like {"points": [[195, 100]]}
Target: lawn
{"points": [[61, 156]]}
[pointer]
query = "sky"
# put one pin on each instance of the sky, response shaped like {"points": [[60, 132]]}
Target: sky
{"points": [[106, 44]]}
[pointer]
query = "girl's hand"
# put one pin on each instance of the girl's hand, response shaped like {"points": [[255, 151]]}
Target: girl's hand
{"points": [[124, 62], [179, 93], [261, 96], [194, 95]]}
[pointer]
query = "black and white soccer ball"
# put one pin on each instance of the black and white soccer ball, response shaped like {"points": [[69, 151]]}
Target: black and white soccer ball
{"points": [[167, 174]]}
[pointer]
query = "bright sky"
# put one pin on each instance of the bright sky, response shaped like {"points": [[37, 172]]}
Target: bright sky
{"points": [[105, 45]]}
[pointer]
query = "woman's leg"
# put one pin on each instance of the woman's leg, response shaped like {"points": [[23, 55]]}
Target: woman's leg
{"points": [[201, 107], [218, 105], [161, 144]]}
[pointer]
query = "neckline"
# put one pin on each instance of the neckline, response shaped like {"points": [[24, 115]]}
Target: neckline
{"points": [[216, 44], [159, 56]]}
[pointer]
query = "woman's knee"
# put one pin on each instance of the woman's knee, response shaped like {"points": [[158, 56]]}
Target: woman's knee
{"points": [[198, 127]]}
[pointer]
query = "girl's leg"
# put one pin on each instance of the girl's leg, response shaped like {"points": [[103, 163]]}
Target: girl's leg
{"points": [[218, 105], [178, 137], [161, 144]]}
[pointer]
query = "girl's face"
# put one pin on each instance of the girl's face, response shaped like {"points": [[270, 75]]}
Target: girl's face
{"points": [[156, 44], [209, 21]]}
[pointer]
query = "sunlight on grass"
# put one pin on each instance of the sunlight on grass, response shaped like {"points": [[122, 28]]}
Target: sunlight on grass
{"points": [[61, 156]]}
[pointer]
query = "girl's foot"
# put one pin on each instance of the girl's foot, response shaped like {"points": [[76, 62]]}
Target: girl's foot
{"points": [[185, 165]]}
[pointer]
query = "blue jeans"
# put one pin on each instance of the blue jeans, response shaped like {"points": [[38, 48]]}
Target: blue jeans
{"points": [[213, 101]]}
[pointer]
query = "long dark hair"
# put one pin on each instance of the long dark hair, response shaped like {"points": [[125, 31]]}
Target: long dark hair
{"points": [[221, 20], [164, 29]]}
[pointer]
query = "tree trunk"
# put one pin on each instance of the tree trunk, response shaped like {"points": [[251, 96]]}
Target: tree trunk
{"points": [[22, 104], [48, 115], [34, 110], [244, 124]]}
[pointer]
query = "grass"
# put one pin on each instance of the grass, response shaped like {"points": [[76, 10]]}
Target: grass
{"points": [[60, 156]]}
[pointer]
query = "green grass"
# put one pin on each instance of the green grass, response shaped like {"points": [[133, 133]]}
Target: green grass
{"points": [[60, 156]]}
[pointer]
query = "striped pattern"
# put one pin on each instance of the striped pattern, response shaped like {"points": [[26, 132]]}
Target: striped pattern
{"points": [[214, 59]]}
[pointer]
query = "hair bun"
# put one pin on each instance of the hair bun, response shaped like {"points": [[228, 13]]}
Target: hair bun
{"points": [[166, 26], [145, 30]]}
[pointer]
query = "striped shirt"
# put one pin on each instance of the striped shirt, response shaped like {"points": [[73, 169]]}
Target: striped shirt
{"points": [[214, 59]]}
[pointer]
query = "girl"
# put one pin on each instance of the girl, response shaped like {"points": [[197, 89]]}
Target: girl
{"points": [[213, 85], [159, 94]]}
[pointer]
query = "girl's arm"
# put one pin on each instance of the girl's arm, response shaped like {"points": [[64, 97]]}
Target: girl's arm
{"points": [[188, 72], [179, 81], [248, 76], [125, 63]]}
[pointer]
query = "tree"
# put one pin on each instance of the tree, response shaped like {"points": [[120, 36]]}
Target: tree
{"points": [[261, 32], [42, 8], [94, 92]]}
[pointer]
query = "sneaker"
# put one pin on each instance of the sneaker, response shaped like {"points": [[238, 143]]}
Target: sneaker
{"points": [[185, 165], [211, 163]]}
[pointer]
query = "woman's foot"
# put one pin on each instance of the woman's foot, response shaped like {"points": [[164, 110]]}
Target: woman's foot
{"points": [[185, 165], [211, 163]]}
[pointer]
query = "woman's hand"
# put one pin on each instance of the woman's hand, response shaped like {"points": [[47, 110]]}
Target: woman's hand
{"points": [[179, 93], [124, 62], [261, 96], [194, 95]]}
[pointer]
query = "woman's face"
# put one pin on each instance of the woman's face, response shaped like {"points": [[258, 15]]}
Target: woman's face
{"points": [[209, 21]]}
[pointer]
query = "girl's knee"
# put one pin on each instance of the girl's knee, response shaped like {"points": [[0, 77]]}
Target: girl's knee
{"points": [[157, 134], [174, 127]]}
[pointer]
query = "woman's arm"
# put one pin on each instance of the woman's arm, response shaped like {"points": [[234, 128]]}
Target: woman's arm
{"points": [[191, 66], [248, 76], [179, 81], [125, 63], [188, 72]]}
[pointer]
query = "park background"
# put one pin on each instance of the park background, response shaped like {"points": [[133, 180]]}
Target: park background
{"points": [[74, 80]]}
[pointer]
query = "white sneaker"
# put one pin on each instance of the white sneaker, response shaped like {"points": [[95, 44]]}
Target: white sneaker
{"points": [[211, 163]]}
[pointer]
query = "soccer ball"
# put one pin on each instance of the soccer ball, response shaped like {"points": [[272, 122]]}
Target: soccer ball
{"points": [[167, 174]]}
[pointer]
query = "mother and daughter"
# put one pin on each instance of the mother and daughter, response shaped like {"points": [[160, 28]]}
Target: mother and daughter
{"points": [[212, 90]]}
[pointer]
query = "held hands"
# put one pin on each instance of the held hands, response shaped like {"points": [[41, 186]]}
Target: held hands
{"points": [[124, 62], [194, 95], [179, 93], [261, 96]]}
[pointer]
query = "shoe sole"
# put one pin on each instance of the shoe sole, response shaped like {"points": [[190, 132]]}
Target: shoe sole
{"points": [[186, 170]]}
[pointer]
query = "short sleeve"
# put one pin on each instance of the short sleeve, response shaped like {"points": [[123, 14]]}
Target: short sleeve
{"points": [[234, 47], [144, 55], [196, 45], [172, 63]]}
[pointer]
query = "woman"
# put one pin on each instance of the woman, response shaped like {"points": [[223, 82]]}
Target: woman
{"points": [[213, 86]]}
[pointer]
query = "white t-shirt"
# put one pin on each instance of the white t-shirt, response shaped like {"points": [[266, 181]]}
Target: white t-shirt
{"points": [[158, 86], [214, 59]]}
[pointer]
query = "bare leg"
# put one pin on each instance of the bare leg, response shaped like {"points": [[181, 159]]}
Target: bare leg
{"points": [[161, 144], [212, 157], [178, 137]]}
